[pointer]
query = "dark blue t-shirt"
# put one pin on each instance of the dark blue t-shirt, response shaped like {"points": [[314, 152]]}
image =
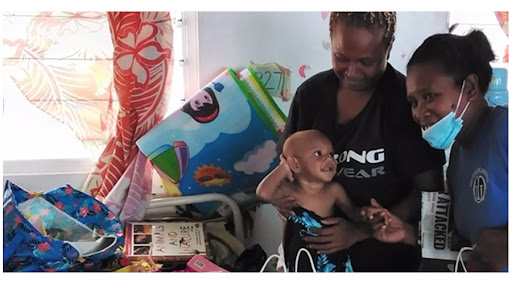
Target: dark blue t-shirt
{"points": [[477, 178]]}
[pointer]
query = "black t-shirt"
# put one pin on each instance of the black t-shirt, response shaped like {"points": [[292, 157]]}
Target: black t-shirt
{"points": [[378, 153]]}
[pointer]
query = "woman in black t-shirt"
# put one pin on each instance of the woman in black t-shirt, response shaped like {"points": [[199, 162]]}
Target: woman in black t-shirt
{"points": [[360, 104]]}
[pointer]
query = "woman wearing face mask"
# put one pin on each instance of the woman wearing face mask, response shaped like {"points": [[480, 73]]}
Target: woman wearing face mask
{"points": [[447, 78]]}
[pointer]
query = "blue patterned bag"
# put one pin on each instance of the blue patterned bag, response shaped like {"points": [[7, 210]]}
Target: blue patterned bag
{"points": [[62, 229]]}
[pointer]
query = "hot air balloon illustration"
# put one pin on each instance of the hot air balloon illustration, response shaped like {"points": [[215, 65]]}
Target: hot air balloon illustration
{"points": [[171, 162]]}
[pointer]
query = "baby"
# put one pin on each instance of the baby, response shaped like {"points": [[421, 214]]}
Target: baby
{"points": [[305, 172]]}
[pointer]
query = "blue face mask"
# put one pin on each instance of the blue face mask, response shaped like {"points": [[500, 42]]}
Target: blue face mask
{"points": [[442, 133]]}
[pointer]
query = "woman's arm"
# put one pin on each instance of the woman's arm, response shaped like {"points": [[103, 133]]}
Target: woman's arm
{"points": [[404, 216], [409, 208], [492, 248]]}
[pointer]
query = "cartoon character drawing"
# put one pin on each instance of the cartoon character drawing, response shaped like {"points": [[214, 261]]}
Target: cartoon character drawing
{"points": [[203, 107]]}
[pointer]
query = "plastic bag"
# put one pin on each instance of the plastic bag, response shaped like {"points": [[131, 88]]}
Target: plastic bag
{"points": [[62, 229]]}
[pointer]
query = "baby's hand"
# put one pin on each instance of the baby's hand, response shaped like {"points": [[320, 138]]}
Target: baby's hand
{"points": [[376, 215]]}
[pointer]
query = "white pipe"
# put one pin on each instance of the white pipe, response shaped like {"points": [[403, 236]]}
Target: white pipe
{"points": [[199, 198]]}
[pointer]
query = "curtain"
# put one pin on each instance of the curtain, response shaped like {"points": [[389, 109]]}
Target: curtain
{"points": [[503, 21], [61, 64], [142, 71]]}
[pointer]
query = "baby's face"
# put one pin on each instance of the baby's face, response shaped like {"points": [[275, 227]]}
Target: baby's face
{"points": [[316, 158]]}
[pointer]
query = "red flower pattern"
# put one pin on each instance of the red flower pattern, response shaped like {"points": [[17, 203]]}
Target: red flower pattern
{"points": [[84, 211], [96, 207], [139, 51], [43, 246], [59, 205]]}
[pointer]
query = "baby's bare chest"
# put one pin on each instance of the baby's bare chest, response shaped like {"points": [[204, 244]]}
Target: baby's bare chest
{"points": [[321, 204]]}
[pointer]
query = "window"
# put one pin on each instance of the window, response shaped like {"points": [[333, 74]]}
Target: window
{"points": [[59, 103], [462, 22]]}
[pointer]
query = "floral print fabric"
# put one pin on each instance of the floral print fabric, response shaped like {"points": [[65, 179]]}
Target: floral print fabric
{"points": [[26, 248]]}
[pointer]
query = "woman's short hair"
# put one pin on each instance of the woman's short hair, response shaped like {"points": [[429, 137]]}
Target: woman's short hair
{"points": [[368, 20]]}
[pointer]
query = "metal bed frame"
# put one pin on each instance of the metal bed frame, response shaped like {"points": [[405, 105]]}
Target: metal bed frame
{"points": [[157, 205]]}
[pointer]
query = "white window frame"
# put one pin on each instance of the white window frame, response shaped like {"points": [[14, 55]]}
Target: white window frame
{"points": [[47, 174], [191, 53]]}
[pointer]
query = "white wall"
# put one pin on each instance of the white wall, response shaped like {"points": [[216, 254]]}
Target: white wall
{"points": [[411, 30], [292, 39], [288, 38]]}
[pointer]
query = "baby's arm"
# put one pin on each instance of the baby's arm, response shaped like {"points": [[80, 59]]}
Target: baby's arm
{"points": [[276, 184], [346, 205]]}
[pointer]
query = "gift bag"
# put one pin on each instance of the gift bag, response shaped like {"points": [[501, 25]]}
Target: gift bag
{"points": [[62, 229], [222, 140]]}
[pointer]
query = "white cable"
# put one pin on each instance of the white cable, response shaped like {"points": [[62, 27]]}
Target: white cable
{"points": [[309, 256], [459, 257], [296, 261], [267, 261], [281, 262]]}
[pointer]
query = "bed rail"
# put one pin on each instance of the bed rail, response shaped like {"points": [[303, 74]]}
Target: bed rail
{"points": [[163, 202]]}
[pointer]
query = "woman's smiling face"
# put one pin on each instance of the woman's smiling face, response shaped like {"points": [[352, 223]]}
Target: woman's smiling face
{"points": [[359, 56], [432, 94]]}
